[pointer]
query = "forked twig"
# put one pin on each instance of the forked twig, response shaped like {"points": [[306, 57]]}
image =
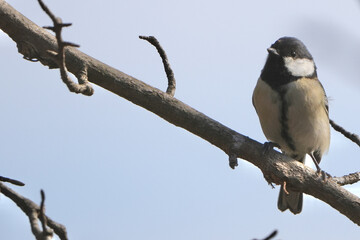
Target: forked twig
{"points": [[83, 86], [35, 213]]}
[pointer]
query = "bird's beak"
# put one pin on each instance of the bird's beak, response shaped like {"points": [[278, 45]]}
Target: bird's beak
{"points": [[273, 51]]}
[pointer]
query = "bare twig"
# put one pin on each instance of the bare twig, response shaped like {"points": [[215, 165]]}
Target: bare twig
{"points": [[34, 212], [353, 137], [83, 86], [45, 230], [347, 179], [272, 235], [169, 72], [12, 181]]}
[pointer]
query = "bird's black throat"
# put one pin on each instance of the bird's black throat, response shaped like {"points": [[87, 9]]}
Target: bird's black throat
{"points": [[275, 73]]}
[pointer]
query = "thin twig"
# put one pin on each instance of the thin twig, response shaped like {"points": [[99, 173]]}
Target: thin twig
{"points": [[347, 179], [272, 235], [82, 87], [32, 210], [12, 181], [353, 137], [169, 72], [45, 230]]}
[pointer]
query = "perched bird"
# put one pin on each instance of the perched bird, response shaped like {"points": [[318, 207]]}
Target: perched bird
{"points": [[292, 108]]}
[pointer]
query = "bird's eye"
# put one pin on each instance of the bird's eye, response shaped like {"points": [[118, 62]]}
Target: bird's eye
{"points": [[293, 54]]}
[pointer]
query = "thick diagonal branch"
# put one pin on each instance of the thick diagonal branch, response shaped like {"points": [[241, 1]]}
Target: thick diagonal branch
{"points": [[277, 167]]}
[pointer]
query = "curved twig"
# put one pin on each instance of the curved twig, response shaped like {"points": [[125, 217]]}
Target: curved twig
{"points": [[352, 136], [169, 72]]}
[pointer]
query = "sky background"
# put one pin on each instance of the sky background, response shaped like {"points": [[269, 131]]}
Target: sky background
{"points": [[112, 170]]}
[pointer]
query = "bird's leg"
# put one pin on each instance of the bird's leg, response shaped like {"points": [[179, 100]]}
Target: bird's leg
{"points": [[318, 169], [284, 188]]}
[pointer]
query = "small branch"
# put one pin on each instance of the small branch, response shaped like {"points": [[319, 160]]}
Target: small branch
{"points": [[353, 137], [169, 72], [83, 86], [46, 232], [272, 235], [12, 181], [34, 213], [347, 179]]}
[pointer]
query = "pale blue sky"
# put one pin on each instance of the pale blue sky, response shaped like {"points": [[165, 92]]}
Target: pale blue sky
{"points": [[112, 170]]}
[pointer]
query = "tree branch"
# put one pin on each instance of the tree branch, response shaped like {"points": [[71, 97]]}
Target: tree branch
{"points": [[347, 179], [33, 211], [275, 166]]}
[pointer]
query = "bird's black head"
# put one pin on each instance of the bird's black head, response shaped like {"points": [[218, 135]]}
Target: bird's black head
{"points": [[288, 60], [290, 47]]}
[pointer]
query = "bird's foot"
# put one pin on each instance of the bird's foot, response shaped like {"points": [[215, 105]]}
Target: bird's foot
{"points": [[269, 146], [324, 175]]}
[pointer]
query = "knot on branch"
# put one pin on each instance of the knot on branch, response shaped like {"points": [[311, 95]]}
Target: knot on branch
{"points": [[31, 54], [233, 162], [83, 86]]}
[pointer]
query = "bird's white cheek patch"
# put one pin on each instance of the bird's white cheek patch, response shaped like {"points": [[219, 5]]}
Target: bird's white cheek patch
{"points": [[300, 67]]}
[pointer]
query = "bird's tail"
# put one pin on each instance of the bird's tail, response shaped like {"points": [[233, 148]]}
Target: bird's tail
{"points": [[291, 200]]}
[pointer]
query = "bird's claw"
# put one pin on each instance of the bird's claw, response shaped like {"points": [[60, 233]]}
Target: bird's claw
{"points": [[324, 175], [269, 146]]}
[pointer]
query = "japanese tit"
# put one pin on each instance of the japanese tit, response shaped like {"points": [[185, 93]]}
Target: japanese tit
{"points": [[292, 108]]}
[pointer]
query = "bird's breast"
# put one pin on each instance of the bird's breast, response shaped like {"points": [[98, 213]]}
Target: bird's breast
{"points": [[267, 103], [307, 116], [294, 116]]}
